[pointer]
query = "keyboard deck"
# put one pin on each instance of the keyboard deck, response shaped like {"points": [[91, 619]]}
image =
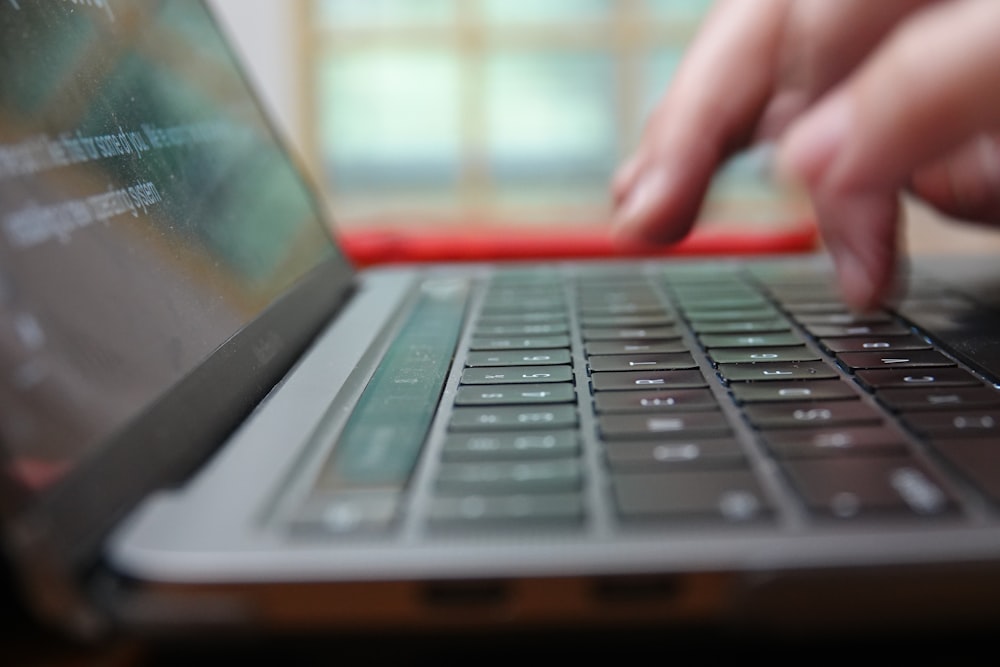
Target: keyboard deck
{"points": [[679, 395]]}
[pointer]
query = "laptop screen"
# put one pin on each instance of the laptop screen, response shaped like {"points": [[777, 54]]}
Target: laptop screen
{"points": [[146, 215]]}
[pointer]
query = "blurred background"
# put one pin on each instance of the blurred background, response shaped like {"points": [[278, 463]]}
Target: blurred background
{"points": [[472, 114], [437, 113]]}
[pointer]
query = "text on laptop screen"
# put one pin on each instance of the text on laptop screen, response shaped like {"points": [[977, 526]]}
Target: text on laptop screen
{"points": [[146, 215]]}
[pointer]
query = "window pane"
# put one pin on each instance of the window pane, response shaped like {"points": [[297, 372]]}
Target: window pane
{"points": [[391, 116], [550, 115], [549, 11], [352, 13]]}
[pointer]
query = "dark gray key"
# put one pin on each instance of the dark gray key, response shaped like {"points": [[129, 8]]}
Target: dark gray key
{"points": [[940, 399], [699, 316], [683, 454], [796, 390], [511, 445], [917, 377], [954, 424], [780, 339], [640, 362], [630, 333], [848, 441], [771, 371], [750, 355], [703, 424], [532, 317], [822, 414], [854, 330], [977, 459], [510, 478], [517, 374], [848, 488], [513, 511], [515, 394], [728, 495], [598, 348], [617, 321], [519, 343], [518, 357], [874, 343], [540, 329], [654, 401], [614, 381], [513, 417], [772, 325], [843, 318], [895, 359]]}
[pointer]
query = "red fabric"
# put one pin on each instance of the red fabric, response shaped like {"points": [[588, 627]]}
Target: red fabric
{"points": [[380, 245]]}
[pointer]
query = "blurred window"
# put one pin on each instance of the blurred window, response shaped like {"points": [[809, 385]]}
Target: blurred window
{"points": [[484, 109]]}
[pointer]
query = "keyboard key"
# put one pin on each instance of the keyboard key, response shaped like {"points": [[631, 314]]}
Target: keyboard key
{"points": [[510, 478], [848, 441], [505, 511], [516, 374], [917, 377], [637, 362], [621, 321], [682, 379], [874, 343], [515, 394], [518, 357], [855, 330], [795, 390], [727, 495], [771, 371], [978, 460], [824, 414], [513, 417], [944, 398], [954, 424], [599, 348], [750, 355], [511, 445], [519, 343], [773, 325], [849, 488], [538, 329], [629, 333], [663, 425], [654, 401], [687, 453], [895, 359], [781, 339]]}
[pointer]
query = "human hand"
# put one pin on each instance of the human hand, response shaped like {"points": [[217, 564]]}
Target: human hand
{"points": [[866, 100]]}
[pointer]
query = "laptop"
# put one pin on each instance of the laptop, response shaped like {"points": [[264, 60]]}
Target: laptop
{"points": [[212, 422]]}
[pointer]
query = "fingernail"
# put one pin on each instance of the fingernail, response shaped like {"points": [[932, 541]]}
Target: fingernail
{"points": [[812, 143], [641, 200]]}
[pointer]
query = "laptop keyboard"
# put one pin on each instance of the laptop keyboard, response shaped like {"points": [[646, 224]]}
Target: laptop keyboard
{"points": [[673, 395]]}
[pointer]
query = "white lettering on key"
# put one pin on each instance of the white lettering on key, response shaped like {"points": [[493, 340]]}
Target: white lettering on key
{"points": [[685, 452], [662, 424], [919, 492]]}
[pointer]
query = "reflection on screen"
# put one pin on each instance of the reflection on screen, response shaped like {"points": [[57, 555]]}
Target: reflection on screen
{"points": [[146, 214]]}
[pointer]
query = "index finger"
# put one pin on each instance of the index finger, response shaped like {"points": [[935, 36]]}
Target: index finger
{"points": [[711, 107]]}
